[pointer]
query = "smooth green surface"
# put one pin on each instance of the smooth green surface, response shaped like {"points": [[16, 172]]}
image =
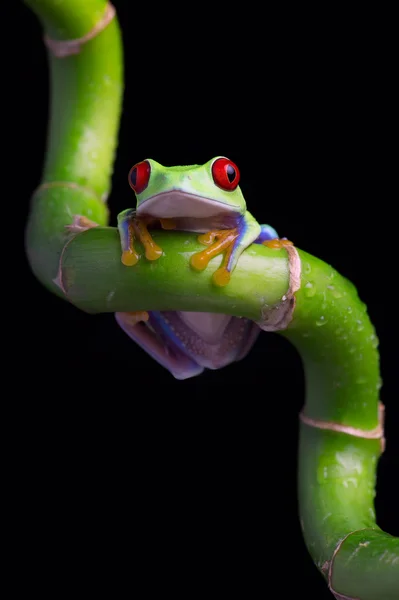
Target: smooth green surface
{"points": [[85, 107], [46, 233], [338, 345], [337, 472], [95, 279], [68, 19], [330, 329], [367, 566]]}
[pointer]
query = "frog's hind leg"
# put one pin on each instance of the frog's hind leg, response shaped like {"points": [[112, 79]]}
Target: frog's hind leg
{"points": [[176, 362]]}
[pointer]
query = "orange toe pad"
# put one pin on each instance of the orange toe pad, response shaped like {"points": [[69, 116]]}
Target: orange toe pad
{"points": [[277, 243]]}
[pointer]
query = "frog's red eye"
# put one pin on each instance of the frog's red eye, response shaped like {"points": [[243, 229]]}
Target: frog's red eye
{"points": [[139, 176], [225, 174]]}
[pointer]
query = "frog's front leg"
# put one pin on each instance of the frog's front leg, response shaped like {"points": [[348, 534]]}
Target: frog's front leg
{"points": [[230, 241], [133, 228]]}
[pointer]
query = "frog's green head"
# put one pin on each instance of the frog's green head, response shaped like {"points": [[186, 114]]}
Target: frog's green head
{"points": [[198, 191]]}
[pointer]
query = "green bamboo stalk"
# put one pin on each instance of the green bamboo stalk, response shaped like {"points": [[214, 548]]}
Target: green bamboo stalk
{"points": [[85, 108], [330, 326], [337, 472]]}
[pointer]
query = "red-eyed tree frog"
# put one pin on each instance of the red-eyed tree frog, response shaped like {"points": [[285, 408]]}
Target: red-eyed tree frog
{"points": [[199, 198]]}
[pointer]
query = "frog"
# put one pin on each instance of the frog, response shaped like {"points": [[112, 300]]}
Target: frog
{"points": [[204, 199]]}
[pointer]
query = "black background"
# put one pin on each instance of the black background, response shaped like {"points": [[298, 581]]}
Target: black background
{"points": [[304, 112]]}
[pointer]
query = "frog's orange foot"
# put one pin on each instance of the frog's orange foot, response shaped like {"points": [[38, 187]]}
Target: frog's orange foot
{"points": [[132, 318], [130, 257], [137, 228], [209, 237], [168, 224], [152, 250], [277, 243], [218, 242], [221, 277]]}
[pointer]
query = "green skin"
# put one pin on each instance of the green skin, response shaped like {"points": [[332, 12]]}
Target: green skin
{"points": [[330, 327], [198, 198], [195, 180], [189, 193]]}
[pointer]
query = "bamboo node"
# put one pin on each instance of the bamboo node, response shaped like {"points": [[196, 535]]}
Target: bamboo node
{"points": [[280, 316], [374, 434], [63, 48]]}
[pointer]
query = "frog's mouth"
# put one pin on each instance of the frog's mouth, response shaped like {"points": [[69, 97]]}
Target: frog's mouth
{"points": [[176, 204]]}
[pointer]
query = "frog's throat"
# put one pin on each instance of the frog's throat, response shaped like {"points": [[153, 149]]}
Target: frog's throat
{"points": [[175, 204]]}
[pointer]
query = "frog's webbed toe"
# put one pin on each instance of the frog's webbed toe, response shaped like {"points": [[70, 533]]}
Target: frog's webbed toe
{"points": [[133, 228], [218, 241], [277, 243]]}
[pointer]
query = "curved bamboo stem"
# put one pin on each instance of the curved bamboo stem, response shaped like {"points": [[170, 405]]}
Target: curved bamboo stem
{"points": [[341, 436], [85, 108]]}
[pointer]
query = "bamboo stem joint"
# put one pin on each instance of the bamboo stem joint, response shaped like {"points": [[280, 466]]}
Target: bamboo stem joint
{"points": [[63, 48]]}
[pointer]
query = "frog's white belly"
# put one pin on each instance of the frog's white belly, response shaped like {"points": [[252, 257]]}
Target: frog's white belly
{"points": [[209, 326]]}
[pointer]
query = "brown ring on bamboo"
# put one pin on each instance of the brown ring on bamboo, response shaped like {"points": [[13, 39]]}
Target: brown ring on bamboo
{"points": [[373, 434], [79, 224], [330, 566], [279, 317], [63, 48]]}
